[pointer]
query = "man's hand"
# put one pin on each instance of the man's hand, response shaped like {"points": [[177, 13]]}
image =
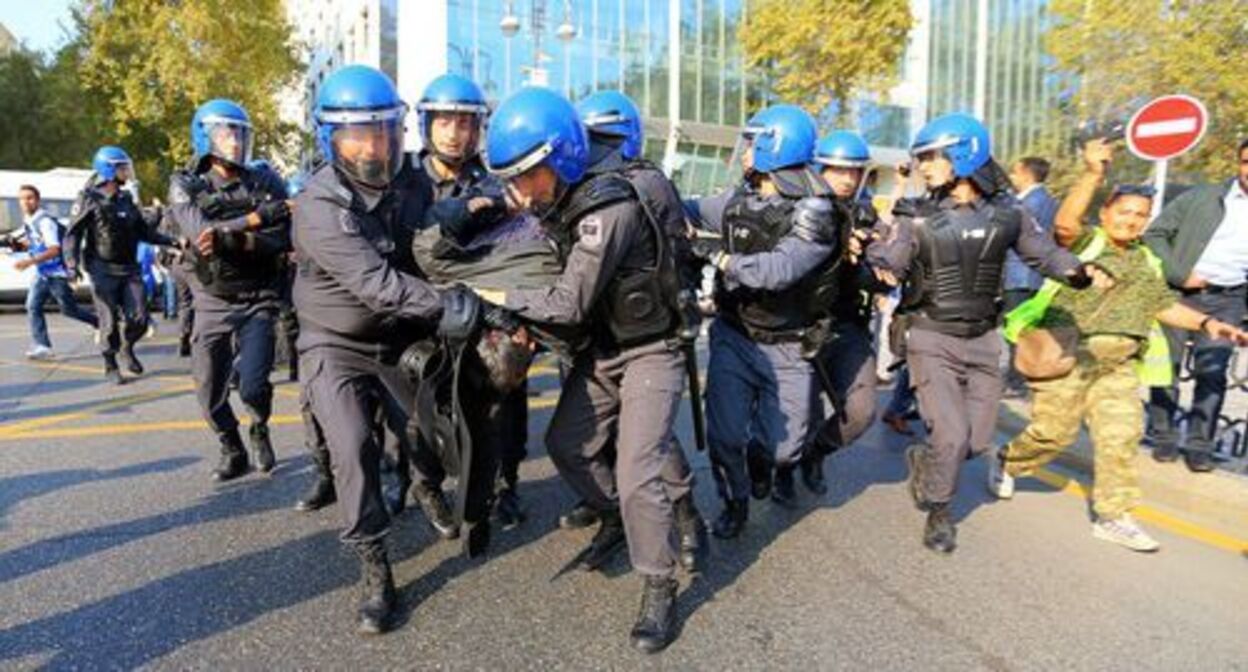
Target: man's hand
{"points": [[205, 243], [1100, 279], [1222, 330], [23, 264], [213, 241], [479, 203], [1194, 281], [859, 239], [1097, 155]]}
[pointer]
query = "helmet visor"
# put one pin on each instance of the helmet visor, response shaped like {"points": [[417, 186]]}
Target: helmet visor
{"points": [[370, 153], [123, 171], [741, 163], [228, 139]]}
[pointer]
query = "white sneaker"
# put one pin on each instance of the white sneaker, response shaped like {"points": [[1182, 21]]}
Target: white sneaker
{"points": [[151, 329], [1000, 483], [1124, 531], [39, 352]]}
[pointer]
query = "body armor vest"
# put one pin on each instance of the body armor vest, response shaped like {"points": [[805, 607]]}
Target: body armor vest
{"points": [[116, 231], [639, 304], [751, 226], [956, 287], [230, 274]]}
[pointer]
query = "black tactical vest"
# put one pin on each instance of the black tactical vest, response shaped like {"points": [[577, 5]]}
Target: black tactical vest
{"points": [[752, 225], [235, 274], [115, 235], [956, 287], [639, 304]]}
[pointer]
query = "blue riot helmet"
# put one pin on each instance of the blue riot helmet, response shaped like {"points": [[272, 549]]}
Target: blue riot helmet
{"points": [[536, 127], [112, 164], [451, 94], [615, 114], [781, 136], [845, 149], [960, 137], [221, 128], [359, 124]]}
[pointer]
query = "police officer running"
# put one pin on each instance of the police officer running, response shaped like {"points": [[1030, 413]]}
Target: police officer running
{"points": [[950, 247], [238, 219], [104, 235], [846, 364], [776, 272], [627, 383], [361, 301]]}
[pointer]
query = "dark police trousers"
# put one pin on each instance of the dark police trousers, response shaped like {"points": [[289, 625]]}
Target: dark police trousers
{"points": [[755, 390], [220, 325], [632, 397], [958, 384], [849, 360], [346, 390], [121, 306], [186, 302]]}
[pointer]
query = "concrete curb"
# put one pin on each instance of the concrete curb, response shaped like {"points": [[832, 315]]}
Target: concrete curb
{"points": [[1217, 500]]}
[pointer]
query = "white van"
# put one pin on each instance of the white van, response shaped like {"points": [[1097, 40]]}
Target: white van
{"points": [[58, 188]]}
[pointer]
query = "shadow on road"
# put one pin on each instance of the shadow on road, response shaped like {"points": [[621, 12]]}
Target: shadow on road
{"points": [[17, 489]]}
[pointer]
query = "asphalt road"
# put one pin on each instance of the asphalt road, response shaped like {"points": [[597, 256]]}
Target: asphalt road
{"points": [[116, 551]]}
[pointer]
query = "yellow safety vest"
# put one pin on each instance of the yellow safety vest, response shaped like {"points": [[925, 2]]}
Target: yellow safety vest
{"points": [[1154, 368]]}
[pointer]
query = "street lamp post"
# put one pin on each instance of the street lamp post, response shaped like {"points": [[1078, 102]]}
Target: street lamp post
{"points": [[566, 32]]}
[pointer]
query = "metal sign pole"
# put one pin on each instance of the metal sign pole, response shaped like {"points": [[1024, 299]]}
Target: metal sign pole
{"points": [[1159, 185]]}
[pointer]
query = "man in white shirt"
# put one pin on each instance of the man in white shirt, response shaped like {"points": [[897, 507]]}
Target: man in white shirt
{"points": [[1202, 240], [41, 239]]}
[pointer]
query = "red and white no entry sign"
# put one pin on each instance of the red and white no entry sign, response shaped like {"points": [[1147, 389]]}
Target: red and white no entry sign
{"points": [[1167, 127]]}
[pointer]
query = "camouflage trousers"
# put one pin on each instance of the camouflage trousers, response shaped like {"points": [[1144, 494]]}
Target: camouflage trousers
{"points": [[1103, 390]]}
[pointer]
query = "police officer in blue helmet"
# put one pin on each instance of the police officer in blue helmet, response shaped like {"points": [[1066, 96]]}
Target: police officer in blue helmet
{"points": [[616, 139], [775, 270], [102, 240], [627, 382], [236, 214], [847, 365], [949, 247], [361, 301], [467, 202]]}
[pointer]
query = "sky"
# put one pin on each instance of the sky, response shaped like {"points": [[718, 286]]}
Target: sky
{"points": [[34, 22]]}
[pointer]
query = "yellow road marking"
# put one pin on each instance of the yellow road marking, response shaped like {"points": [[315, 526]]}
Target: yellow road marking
{"points": [[26, 426], [1148, 514]]}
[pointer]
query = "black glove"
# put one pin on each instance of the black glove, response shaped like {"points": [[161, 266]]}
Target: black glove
{"points": [[461, 313], [1079, 279], [497, 317], [273, 211], [706, 248]]}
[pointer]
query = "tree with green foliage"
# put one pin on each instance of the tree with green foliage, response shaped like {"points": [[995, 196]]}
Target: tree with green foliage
{"points": [[1119, 55], [815, 53], [150, 63]]}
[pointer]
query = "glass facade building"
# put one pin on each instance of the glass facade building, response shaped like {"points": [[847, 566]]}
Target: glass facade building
{"points": [[681, 61]]}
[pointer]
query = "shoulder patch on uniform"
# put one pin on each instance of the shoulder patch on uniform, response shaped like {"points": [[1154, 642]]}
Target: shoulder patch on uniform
{"points": [[73, 212], [589, 231]]}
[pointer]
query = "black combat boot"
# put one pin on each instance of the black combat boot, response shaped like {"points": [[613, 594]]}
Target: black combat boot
{"points": [[184, 346], [111, 373], [233, 458], [377, 594], [940, 535], [262, 448], [507, 512], [581, 516], [656, 621], [322, 493], [607, 541], [433, 502], [692, 529], [759, 468], [812, 471], [131, 362], [784, 492], [732, 519]]}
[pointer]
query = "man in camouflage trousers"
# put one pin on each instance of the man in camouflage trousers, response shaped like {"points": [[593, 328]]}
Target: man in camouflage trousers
{"points": [[1119, 347]]}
